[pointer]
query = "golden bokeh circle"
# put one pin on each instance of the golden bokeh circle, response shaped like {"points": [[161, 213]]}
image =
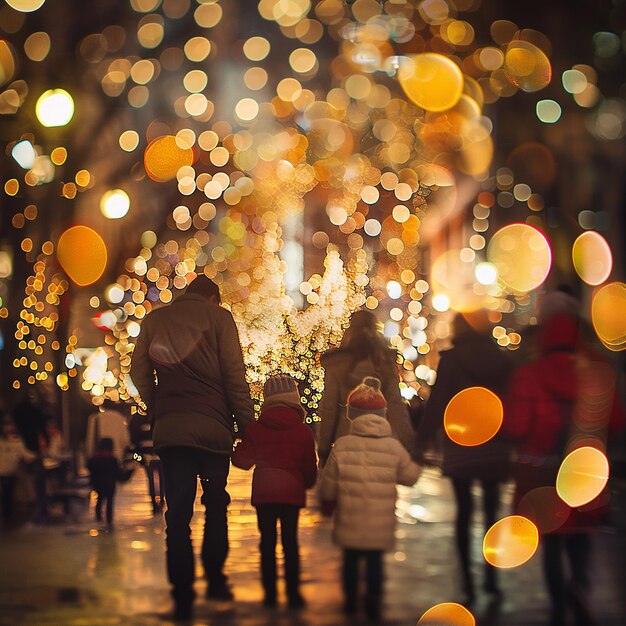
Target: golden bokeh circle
{"points": [[522, 256], [447, 614], [164, 157], [473, 416], [582, 476], [608, 315], [592, 258], [82, 254], [510, 542], [432, 81]]}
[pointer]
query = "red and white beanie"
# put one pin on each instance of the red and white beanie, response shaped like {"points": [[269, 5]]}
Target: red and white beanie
{"points": [[367, 399]]}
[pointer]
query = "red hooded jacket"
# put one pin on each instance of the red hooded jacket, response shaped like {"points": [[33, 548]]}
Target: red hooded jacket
{"points": [[561, 401], [282, 448]]}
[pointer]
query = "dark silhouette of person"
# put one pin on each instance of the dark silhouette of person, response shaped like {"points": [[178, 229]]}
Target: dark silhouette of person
{"points": [[104, 472], [199, 401], [562, 400], [474, 360], [30, 421]]}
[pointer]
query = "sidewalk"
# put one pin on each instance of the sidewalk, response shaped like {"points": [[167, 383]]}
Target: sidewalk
{"points": [[76, 574]]}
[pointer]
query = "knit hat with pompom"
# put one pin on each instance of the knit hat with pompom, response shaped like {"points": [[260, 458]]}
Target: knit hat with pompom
{"points": [[282, 390], [367, 399]]}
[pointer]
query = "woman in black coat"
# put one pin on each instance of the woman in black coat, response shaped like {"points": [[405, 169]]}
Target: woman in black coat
{"points": [[473, 361]]}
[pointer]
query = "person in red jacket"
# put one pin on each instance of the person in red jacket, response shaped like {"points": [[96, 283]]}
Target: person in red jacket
{"points": [[563, 400], [283, 449]]}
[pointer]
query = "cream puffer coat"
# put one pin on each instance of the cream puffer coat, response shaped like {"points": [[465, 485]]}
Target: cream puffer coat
{"points": [[360, 477]]}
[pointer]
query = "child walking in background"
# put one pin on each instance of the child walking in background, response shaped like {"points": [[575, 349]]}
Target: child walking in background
{"points": [[360, 481], [283, 449], [104, 469]]}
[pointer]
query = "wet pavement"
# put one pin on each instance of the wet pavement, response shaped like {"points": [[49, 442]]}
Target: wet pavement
{"points": [[74, 573]]}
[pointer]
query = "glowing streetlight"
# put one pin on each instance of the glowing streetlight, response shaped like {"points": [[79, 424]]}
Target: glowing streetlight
{"points": [[55, 107], [114, 204]]}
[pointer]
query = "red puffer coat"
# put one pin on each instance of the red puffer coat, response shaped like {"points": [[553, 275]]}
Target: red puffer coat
{"points": [[563, 400], [283, 449]]}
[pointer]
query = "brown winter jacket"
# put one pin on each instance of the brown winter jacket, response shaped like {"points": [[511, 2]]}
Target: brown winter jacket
{"points": [[200, 391], [342, 375]]}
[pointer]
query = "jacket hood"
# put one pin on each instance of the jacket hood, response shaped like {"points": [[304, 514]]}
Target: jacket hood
{"points": [[370, 425], [280, 417]]}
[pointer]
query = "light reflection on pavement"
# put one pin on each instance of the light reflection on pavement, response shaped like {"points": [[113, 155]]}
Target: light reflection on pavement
{"points": [[75, 574]]}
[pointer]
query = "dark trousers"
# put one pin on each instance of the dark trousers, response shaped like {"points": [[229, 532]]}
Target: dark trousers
{"points": [[373, 576], [267, 517], [464, 511], [577, 547], [7, 484], [105, 498], [154, 474], [181, 468]]}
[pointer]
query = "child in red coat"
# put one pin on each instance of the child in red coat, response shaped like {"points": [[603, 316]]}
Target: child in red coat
{"points": [[283, 449]]}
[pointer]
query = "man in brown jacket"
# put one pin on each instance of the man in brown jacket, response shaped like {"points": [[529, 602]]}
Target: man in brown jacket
{"points": [[199, 402]]}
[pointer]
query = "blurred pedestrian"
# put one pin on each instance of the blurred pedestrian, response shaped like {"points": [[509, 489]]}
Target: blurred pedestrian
{"points": [[359, 482], [363, 352], [282, 448], [199, 401], [564, 399], [13, 452], [104, 471], [108, 422], [30, 421], [474, 360]]}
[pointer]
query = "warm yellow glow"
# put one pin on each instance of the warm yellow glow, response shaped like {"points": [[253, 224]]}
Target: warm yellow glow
{"points": [[582, 476], [164, 157], [82, 254], [432, 81], [527, 66], [54, 107], [473, 416], [114, 203], [521, 255], [608, 315], [592, 258], [25, 6], [510, 542], [447, 614]]}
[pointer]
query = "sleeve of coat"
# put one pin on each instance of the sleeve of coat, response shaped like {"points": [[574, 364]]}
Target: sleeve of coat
{"points": [[329, 487], [244, 455], [408, 471], [440, 395], [309, 460], [398, 413], [141, 368], [234, 373], [329, 414]]}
